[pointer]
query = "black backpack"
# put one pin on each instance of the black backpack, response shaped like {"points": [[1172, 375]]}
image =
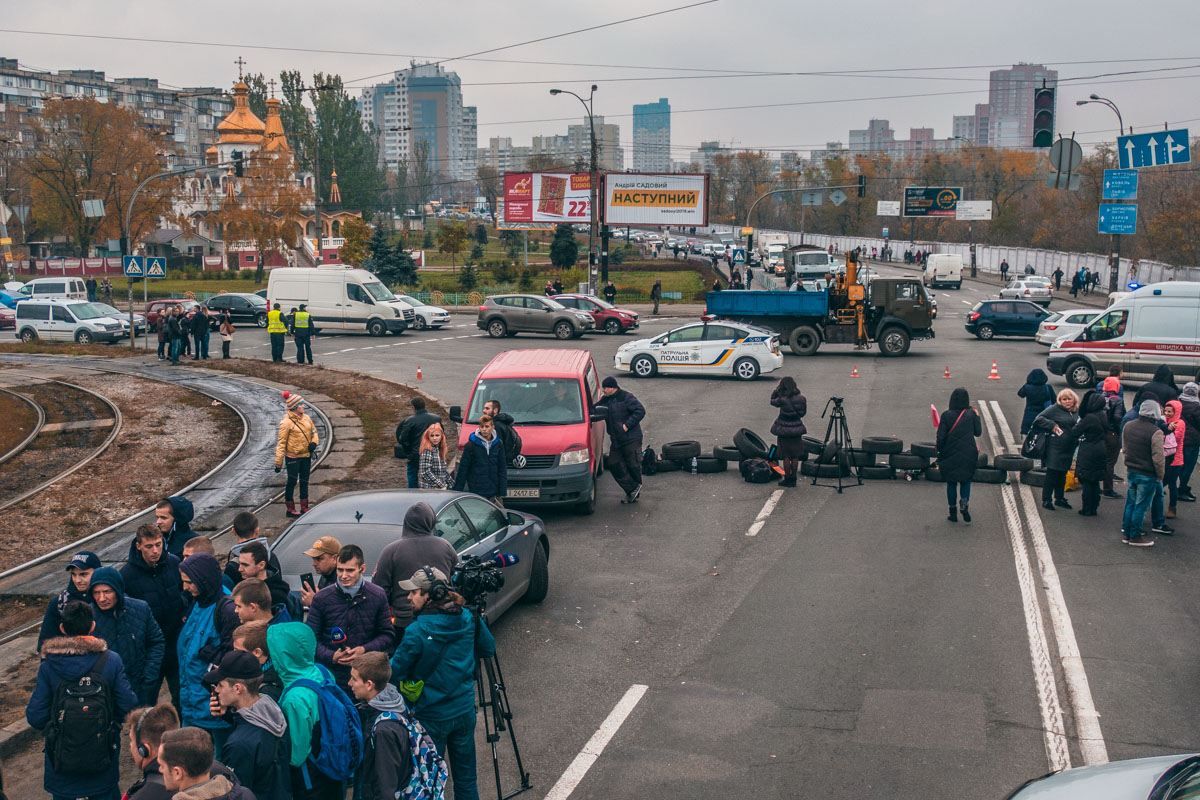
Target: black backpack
{"points": [[649, 462], [82, 735], [756, 470]]}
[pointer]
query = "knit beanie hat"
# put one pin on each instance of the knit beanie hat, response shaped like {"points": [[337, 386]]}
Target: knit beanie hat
{"points": [[610, 383], [1151, 409], [1111, 384], [292, 401]]}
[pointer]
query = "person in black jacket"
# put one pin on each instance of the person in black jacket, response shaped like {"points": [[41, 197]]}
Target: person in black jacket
{"points": [[1190, 397], [173, 518], [200, 333], [152, 575], [1161, 389], [504, 428], [789, 427], [624, 423], [483, 468], [408, 437], [175, 334], [255, 562], [387, 755], [146, 726], [185, 759], [958, 455], [258, 749], [251, 637], [128, 627], [1056, 422], [1092, 460], [80, 569], [1038, 395]]}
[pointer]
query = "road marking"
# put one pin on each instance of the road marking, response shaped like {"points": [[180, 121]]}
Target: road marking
{"points": [[1054, 734], [591, 751], [767, 509], [1079, 691], [965, 302]]}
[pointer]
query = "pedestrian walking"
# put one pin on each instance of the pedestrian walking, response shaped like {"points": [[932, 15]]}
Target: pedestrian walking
{"points": [[106, 290], [1057, 274], [1004, 271], [656, 295], [350, 618], [302, 332], [1075, 284], [1091, 462], [789, 428], [483, 466], [277, 330], [434, 468], [1172, 453], [175, 334], [610, 292], [408, 437], [81, 752], [200, 333], [186, 760], [294, 448], [1038, 395], [958, 454], [1142, 440], [128, 627], [151, 575], [1190, 398], [1056, 422], [1114, 412], [206, 636], [226, 331], [624, 424], [1095, 279], [79, 579], [418, 544], [749, 277]]}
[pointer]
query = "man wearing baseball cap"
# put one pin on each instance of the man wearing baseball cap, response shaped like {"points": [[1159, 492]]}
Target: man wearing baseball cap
{"points": [[324, 554], [81, 566], [258, 749]]}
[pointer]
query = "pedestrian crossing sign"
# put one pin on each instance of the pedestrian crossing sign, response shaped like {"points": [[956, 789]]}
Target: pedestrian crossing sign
{"points": [[156, 267], [133, 266]]}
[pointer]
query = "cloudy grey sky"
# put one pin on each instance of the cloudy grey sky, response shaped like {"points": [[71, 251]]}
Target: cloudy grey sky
{"points": [[968, 36]]}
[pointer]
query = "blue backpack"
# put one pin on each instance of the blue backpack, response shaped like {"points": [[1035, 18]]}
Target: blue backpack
{"points": [[427, 781], [337, 747]]}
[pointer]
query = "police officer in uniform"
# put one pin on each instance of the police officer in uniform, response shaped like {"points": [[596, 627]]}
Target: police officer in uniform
{"points": [[277, 330], [302, 330]]}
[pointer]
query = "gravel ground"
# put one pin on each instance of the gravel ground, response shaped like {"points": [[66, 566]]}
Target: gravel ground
{"points": [[19, 420]]}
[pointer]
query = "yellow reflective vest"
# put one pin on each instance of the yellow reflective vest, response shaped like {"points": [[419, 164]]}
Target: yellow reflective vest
{"points": [[300, 320], [275, 322]]}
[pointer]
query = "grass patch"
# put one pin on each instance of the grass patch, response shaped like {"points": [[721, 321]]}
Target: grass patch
{"points": [[118, 350]]}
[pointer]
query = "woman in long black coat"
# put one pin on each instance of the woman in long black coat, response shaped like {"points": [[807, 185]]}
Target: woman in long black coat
{"points": [[789, 426], [958, 455], [1056, 422], [1091, 462]]}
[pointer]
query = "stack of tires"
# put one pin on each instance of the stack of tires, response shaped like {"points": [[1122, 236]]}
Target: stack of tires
{"points": [[994, 472], [679, 455]]}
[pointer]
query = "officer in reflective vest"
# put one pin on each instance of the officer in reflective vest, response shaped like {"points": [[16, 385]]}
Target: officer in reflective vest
{"points": [[277, 331], [302, 330]]}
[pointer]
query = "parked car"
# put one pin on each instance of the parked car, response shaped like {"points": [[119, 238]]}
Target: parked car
{"points": [[9, 299], [510, 314], [1033, 291], [262, 293], [1064, 323], [710, 347], [155, 308], [244, 308], [62, 288], [992, 318], [340, 298], [1171, 777], [943, 269], [427, 316], [473, 525], [58, 320], [139, 320], [8, 318], [609, 318]]}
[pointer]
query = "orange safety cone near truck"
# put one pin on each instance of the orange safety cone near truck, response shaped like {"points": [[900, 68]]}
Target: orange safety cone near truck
{"points": [[994, 375], [854, 373], [946, 374], [419, 375]]}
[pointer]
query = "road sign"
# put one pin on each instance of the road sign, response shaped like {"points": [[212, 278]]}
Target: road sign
{"points": [[1117, 218], [747, 231], [1058, 180], [837, 197], [156, 267], [1120, 184], [970, 210], [885, 233], [134, 266], [931, 201], [1157, 149], [1066, 155], [887, 208], [811, 198], [739, 255]]}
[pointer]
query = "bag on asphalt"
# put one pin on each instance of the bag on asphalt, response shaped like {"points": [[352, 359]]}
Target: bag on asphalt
{"points": [[81, 737], [338, 738], [427, 781], [756, 470], [1035, 445], [649, 461]]}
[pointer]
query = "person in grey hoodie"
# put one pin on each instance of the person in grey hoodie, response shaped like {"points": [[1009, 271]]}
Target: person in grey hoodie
{"points": [[1145, 465], [1190, 397], [258, 749], [418, 546]]}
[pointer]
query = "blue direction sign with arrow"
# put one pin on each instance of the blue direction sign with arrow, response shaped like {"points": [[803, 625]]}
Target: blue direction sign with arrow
{"points": [[1120, 184], [156, 267], [134, 267], [1158, 149], [1117, 218]]}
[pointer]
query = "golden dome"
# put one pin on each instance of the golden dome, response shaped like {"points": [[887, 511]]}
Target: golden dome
{"points": [[275, 139], [241, 126]]}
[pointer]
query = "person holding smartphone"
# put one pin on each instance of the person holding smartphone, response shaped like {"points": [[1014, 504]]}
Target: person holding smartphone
{"points": [[324, 555]]}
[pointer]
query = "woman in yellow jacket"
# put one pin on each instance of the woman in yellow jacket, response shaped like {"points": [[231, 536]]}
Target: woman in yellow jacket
{"points": [[297, 442]]}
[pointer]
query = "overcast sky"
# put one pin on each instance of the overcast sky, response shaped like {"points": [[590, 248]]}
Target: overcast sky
{"points": [[735, 35]]}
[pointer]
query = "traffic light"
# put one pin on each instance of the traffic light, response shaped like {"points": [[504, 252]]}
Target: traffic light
{"points": [[1043, 117], [239, 162], [862, 185]]}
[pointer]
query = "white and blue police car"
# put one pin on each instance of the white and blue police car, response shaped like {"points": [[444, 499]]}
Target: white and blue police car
{"points": [[709, 347]]}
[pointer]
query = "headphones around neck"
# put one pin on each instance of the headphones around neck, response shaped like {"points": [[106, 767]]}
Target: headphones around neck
{"points": [[142, 750], [438, 590]]}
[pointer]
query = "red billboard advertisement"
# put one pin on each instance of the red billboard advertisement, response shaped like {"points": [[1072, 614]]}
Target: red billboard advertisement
{"points": [[547, 197]]}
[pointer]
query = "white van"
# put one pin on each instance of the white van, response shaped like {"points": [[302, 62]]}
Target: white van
{"points": [[59, 320], [1154, 326], [340, 298], [943, 269], [61, 288]]}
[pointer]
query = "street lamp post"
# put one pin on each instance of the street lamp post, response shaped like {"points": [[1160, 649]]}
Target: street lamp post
{"points": [[1115, 259], [593, 181]]}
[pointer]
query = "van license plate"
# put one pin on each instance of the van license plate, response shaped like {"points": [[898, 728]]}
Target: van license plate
{"points": [[524, 493]]}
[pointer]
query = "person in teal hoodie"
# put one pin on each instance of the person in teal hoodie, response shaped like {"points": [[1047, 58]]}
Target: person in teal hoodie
{"points": [[441, 647], [204, 638]]}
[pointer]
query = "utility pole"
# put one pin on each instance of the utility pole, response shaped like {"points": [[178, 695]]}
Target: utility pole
{"points": [[1114, 272]]}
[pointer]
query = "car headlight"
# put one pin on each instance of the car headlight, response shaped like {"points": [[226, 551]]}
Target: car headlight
{"points": [[580, 456]]}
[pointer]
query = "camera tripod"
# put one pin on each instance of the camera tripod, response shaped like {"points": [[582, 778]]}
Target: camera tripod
{"points": [[493, 702], [838, 447]]}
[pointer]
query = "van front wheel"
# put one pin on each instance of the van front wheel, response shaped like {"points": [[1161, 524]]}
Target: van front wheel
{"points": [[376, 327], [83, 337], [1080, 375]]}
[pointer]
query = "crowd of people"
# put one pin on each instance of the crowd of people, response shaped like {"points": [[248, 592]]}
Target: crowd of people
{"points": [[184, 332]]}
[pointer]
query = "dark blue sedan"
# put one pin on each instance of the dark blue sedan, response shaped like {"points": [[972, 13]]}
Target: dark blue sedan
{"points": [[993, 318]]}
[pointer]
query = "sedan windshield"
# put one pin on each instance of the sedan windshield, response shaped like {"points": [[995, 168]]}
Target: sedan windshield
{"points": [[378, 291], [538, 401], [412, 301]]}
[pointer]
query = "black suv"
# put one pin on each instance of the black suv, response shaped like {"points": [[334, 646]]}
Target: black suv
{"points": [[1005, 318], [245, 308]]}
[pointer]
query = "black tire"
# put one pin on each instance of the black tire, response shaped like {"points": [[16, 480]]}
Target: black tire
{"points": [[804, 340], [812, 445], [422, 325], [84, 337], [985, 332], [981, 460], [830, 452], [990, 475], [612, 327], [1013, 463], [1033, 477], [934, 473], [1079, 374], [745, 369], [668, 465], [706, 465], [497, 328], [815, 470], [644, 367], [750, 444], [861, 458], [923, 449], [260, 320], [539, 576], [894, 341], [730, 453], [682, 452], [587, 506], [564, 330], [878, 473], [29, 335], [376, 327], [908, 461], [882, 445]]}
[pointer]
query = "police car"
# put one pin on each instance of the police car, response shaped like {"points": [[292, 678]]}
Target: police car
{"points": [[708, 347]]}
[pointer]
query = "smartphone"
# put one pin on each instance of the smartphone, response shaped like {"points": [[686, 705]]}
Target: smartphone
{"points": [[306, 579]]}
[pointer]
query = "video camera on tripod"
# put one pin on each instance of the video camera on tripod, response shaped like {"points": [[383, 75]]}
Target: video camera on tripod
{"points": [[837, 449]]}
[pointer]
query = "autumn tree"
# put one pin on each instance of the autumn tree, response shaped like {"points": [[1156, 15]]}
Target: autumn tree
{"points": [[262, 205], [452, 239], [96, 151], [357, 234]]}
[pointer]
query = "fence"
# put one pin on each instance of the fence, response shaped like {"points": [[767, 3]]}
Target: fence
{"points": [[476, 297]]}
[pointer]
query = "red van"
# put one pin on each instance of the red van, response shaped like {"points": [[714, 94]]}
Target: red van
{"points": [[551, 396]]}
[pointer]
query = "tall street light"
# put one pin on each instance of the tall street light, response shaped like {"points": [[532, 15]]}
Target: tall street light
{"points": [[1115, 261], [593, 180]]}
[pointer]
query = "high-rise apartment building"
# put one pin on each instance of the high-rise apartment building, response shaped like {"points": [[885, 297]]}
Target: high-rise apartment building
{"points": [[703, 158], [1010, 103], [652, 136]]}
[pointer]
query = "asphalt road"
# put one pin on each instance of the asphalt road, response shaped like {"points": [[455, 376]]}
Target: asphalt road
{"points": [[857, 644]]}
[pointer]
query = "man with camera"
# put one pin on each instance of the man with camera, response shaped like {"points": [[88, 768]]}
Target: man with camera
{"points": [[436, 662]]}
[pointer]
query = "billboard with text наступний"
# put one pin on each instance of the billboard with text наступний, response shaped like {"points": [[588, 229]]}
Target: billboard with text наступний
{"points": [[655, 199]]}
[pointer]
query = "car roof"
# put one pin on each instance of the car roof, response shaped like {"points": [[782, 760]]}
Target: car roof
{"points": [[379, 507], [536, 363], [60, 301]]}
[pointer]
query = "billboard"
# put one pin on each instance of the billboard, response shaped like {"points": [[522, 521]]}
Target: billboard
{"points": [[931, 201], [970, 210], [653, 199], [547, 197], [502, 223]]}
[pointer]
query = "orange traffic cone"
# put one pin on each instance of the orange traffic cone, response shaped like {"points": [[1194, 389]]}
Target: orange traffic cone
{"points": [[946, 374], [419, 375], [854, 373], [994, 375]]}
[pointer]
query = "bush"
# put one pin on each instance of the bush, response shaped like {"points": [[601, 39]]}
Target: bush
{"points": [[467, 278], [477, 251], [503, 271], [526, 282], [246, 274], [427, 242]]}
